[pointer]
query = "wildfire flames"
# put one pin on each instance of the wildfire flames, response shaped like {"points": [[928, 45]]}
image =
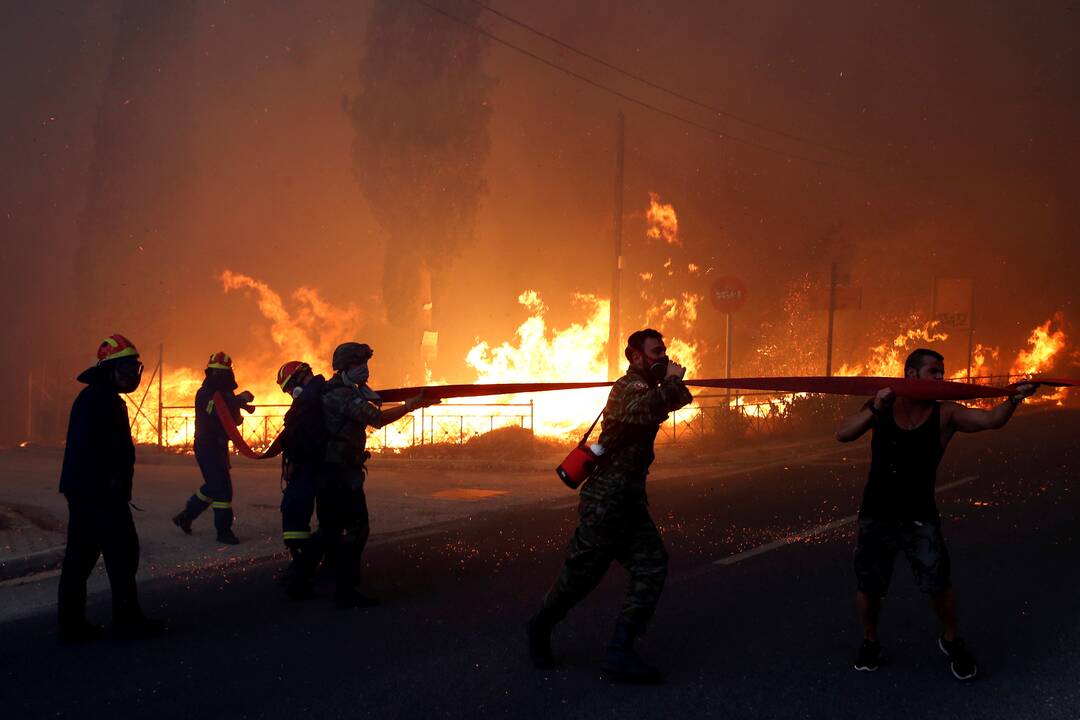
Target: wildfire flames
{"points": [[538, 352], [887, 358], [663, 222]]}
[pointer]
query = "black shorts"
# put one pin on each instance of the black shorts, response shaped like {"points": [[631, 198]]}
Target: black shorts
{"points": [[922, 543]]}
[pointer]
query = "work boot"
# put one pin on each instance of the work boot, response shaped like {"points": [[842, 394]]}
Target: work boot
{"points": [[183, 521], [137, 627], [227, 537], [622, 664], [79, 633], [299, 578], [538, 631]]}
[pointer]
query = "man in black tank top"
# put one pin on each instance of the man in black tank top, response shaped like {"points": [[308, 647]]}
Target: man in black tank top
{"points": [[898, 511]]}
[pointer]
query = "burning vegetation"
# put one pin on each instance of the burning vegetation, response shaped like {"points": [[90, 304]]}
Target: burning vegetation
{"points": [[308, 327]]}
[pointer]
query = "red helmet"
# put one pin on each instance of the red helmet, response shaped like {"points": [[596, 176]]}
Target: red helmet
{"points": [[115, 347], [290, 371], [219, 361]]}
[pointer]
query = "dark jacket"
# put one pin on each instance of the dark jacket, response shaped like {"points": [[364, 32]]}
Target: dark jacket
{"points": [[636, 406], [99, 457], [348, 412], [209, 434]]}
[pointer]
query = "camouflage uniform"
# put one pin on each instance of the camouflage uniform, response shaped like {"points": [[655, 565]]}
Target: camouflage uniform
{"points": [[615, 522], [342, 507]]}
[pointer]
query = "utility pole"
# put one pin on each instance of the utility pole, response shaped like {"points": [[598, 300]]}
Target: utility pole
{"points": [[614, 331], [971, 331], [727, 357], [832, 310], [160, 397], [29, 406]]}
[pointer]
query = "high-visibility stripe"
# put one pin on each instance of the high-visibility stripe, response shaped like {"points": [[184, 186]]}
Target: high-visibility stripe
{"points": [[296, 535], [199, 494], [221, 504], [126, 352], [210, 408]]}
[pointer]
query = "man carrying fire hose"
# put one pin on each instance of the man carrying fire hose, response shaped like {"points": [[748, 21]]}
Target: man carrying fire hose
{"points": [[349, 407], [212, 449], [898, 510], [303, 442], [99, 464], [615, 522]]}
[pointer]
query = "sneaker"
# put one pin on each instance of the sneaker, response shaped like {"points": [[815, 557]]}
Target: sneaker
{"points": [[869, 657], [228, 538], [183, 522], [961, 663]]}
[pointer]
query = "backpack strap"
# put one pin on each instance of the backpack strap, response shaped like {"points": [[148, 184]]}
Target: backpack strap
{"points": [[585, 437]]}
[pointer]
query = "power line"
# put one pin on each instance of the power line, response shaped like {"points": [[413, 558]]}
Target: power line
{"points": [[629, 98], [656, 86]]}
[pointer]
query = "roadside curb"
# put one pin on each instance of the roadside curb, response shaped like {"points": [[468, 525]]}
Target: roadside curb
{"points": [[35, 562]]}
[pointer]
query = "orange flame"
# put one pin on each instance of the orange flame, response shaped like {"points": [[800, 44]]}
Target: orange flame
{"points": [[887, 359], [663, 223], [1043, 347]]}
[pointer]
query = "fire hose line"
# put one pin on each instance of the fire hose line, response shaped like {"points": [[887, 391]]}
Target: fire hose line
{"points": [[864, 386]]}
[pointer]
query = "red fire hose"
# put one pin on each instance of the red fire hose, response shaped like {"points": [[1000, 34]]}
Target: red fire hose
{"points": [[902, 387]]}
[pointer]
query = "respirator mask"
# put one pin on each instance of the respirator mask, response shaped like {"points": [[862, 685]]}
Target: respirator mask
{"points": [[658, 369], [127, 374], [357, 375]]}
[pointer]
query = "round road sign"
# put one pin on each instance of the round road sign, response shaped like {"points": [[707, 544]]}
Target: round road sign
{"points": [[728, 294]]}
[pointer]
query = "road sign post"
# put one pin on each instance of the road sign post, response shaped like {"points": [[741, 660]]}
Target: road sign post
{"points": [[728, 295]]}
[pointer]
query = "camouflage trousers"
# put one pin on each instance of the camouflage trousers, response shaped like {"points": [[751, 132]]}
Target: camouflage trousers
{"points": [[607, 532]]}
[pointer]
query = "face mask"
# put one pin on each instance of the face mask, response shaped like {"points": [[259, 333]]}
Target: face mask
{"points": [[358, 375], [659, 369], [297, 392], [127, 376]]}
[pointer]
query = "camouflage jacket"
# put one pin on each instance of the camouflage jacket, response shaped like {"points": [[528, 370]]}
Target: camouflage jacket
{"points": [[635, 410], [347, 414]]}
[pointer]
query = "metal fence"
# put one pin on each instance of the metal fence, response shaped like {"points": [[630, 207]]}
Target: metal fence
{"points": [[422, 428]]}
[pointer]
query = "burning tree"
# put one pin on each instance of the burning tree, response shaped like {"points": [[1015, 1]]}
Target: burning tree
{"points": [[421, 121]]}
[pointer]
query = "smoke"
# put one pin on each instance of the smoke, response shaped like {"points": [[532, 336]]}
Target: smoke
{"points": [[421, 123], [132, 230], [311, 331]]}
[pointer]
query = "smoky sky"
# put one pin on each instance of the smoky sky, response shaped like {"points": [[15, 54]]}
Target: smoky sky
{"points": [[421, 138], [150, 146]]}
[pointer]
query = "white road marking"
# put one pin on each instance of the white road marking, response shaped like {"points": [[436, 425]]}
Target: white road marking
{"points": [[814, 532]]}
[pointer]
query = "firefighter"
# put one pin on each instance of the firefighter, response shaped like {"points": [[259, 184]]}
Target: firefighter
{"points": [[212, 449], [615, 522], [349, 408], [303, 442], [96, 480]]}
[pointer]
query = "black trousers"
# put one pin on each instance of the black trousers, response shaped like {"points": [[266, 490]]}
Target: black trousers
{"points": [[96, 528], [343, 521]]}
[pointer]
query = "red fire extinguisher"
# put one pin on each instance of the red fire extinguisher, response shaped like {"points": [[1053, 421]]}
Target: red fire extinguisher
{"points": [[581, 461]]}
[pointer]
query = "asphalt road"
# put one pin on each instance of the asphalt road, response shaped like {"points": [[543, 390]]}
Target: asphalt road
{"points": [[756, 620]]}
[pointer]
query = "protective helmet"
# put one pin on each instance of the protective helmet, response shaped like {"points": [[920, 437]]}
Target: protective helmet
{"points": [[219, 361], [115, 347], [349, 353], [290, 371]]}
